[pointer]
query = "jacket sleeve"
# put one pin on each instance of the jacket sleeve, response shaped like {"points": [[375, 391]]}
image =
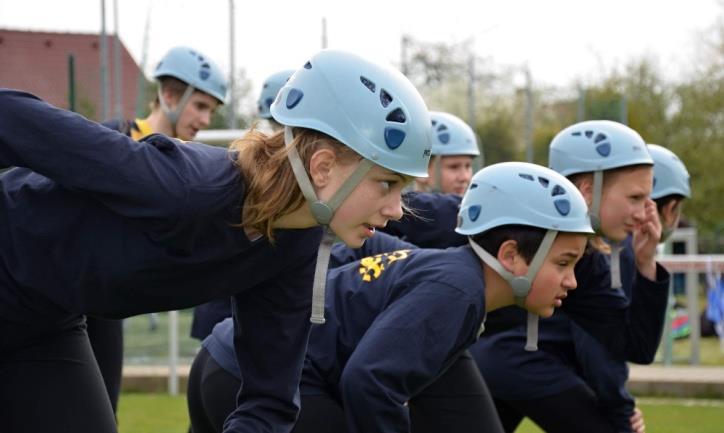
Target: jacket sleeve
{"points": [[270, 339], [607, 378], [628, 322], [155, 178], [405, 349]]}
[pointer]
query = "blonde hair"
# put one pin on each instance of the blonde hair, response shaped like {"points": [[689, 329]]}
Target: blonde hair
{"points": [[271, 188]]}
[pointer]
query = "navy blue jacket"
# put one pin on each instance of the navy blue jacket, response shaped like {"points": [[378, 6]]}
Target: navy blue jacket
{"points": [[92, 222], [431, 221], [394, 323], [608, 327], [207, 315]]}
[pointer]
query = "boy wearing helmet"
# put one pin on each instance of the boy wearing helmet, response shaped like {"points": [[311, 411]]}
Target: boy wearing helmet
{"points": [[399, 320], [160, 224], [619, 306], [190, 88], [606, 375], [269, 90], [671, 187]]}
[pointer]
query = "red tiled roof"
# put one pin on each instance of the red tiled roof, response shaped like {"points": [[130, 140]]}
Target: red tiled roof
{"points": [[37, 62]]}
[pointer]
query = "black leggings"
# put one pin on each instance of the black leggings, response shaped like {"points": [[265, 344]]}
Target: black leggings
{"points": [[456, 402], [570, 411], [106, 338], [53, 383]]}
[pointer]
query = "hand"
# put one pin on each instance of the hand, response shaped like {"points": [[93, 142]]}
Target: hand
{"points": [[637, 421], [646, 238]]}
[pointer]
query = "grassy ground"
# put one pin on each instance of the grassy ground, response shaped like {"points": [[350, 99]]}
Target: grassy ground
{"points": [[159, 413]]}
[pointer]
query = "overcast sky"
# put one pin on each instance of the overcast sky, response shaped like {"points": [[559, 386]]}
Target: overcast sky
{"points": [[561, 40]]}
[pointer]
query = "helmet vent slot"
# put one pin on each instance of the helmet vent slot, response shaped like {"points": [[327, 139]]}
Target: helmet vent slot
{"points": [[368, 84], [397, 115], [526, 176], [385, 98], [557, 190]]}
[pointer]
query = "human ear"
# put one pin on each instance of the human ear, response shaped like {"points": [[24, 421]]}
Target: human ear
{"points": [[585, 185], [670, 212], [320, 166], [508, 254]]}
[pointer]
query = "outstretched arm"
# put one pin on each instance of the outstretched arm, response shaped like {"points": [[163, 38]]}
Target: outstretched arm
{"points": [[158, 178]]}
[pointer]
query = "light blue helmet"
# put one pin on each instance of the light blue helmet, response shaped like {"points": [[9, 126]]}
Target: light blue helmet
{"points": [[670, 174], [373, 109], [452, 136], [194, 69], [525, 194], [595, 146], [521, 193], [269, 91]]}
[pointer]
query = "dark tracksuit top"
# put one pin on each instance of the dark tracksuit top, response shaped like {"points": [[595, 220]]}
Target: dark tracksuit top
{"points": [[394, 323], [588, 340], [92, 222], [207, 315], [569, 355], [431, 222]]}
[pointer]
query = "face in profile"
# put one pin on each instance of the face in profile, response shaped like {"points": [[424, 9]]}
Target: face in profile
{"points": [[556, 275]]}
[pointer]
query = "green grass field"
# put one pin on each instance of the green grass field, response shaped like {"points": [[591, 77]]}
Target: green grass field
{"points": [[160, 413]]}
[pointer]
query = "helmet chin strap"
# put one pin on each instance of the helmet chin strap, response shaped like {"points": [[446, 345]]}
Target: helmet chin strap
{"points": [[595, 214], [595, 211], [521, 285], [174, 115], [322, 213]]}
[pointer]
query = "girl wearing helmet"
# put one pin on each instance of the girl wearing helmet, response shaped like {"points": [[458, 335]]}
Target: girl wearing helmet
{"points": [[619, 305], [207, 315], [454, 147], [132, 227], [190, 88], [400, 321], [437, 199]]}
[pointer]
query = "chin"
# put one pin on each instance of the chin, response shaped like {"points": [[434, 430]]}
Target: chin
{"points": [[545, 312], [353, 241]]}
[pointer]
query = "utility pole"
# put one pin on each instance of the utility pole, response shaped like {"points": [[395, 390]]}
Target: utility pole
{"points": [[471, 90], [528, 115], [403, 54], [141, 97], [232, 66], [117, 63], [324, 32], [105, 103]]}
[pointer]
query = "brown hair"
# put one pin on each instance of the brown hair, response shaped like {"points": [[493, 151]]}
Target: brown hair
{"points": [[174, 85], [271, 188]]}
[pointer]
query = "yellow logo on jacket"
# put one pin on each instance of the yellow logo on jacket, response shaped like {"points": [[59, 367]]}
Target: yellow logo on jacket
{"points": [[372, 267]]}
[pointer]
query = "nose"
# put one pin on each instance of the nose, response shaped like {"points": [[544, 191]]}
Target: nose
{"points": [[569, 282], [392, 210], [639, 214], [467, 174], [205, 119]]}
